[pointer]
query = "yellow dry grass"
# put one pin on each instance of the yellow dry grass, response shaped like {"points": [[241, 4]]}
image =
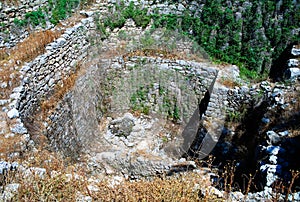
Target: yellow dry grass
{"points": [[65, 183], [48, 105], [24, 51]]}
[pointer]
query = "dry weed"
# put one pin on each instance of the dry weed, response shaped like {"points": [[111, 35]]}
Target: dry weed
{"points": [[229, 83], [11, 2], [24, 51], [61, 182], [9, 145], [48, 105], [172, 55], [34, 45]]}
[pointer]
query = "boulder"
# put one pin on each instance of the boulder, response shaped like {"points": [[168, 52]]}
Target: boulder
{"points": [[292, 73], [293, 63]]}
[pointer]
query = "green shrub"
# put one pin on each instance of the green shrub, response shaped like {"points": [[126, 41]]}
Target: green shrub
{"points": [[61, 9], [239, 41], [35, 17], [102, 31], [19, 23], [176, 114], [116, 20]]}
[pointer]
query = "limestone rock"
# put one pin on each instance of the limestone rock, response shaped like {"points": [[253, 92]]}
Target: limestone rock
{"points": [[3, 102], [273, 137], [295, 51], [292, 73], [18, 128], [293, 63], [9, 192], [13, 113]]}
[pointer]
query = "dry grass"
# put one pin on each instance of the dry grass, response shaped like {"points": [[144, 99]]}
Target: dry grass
{"points": [[62, 188], [24, 51], [177, 188], [9, 145], [11, 2], [48, 105], [163, 53], [34, 45], [229, 82], [62, 183]]}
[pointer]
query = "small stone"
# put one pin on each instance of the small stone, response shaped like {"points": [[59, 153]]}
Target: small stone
{"points": [[181, 7], [93, 188], [294, 197], [265, 86], [293, 63], [216, 192], [14, 113], [61, 41], [14, 96], [26, 137], [3, 102], [4, 166], [25, 69], [265, 120], [284, 133], [273, 137], [13, 188], [295, 51], [40, 172], [4, 85], [236, 196], [277, 92], [267, 192], [274, 150], [9, 135], [51, 82], [273, 159], [18, 89], [19, 129]]}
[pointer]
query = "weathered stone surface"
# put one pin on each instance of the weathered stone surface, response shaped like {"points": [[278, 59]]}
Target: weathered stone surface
{"points": [[9, 192], [13, 113], [295, 51], [274, 138], [18, 128], [3, 102], [293, 63], [6, 166], [292, 73]]}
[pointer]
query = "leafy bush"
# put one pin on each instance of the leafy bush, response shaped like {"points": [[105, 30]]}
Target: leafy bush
{"points": [[118, 17], [116, 20], [61, 9], [241, 41], [19, 23], [35, 17]]}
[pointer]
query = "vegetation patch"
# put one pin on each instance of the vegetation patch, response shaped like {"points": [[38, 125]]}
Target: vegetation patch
{"points": [[225, 37], [118, 16]]}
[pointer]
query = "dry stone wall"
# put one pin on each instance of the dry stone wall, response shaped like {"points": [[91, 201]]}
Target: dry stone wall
{"points": [[165, 7], [74, 125], [40, 76], [10, 34]]}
